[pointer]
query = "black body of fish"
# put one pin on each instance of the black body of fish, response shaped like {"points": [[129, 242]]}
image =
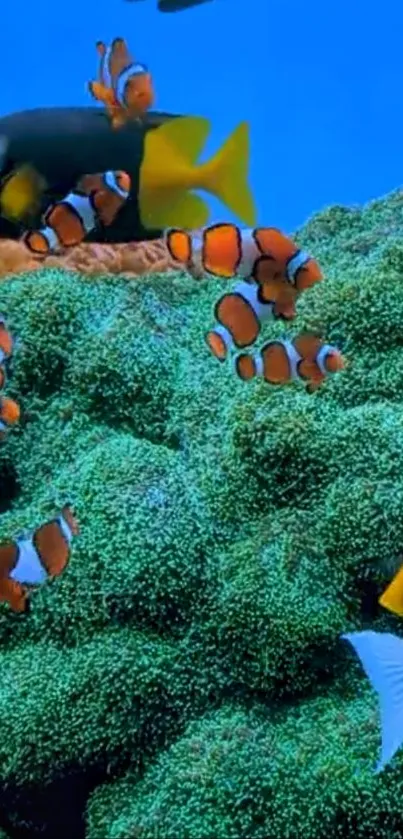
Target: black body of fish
{"points": [[177, 5], [63, 144]]}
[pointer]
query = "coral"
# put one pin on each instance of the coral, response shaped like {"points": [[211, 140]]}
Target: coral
{"points": [[130, 260], [184, 677]]}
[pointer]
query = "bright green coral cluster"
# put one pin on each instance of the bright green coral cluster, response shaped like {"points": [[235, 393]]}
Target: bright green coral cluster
{"points": [[186, 670]]}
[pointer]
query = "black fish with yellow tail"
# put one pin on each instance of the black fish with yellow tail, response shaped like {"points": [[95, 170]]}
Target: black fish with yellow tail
{"points": [[56, 147]]}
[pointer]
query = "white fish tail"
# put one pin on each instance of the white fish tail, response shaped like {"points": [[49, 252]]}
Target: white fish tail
{"points": [[381, 655]]}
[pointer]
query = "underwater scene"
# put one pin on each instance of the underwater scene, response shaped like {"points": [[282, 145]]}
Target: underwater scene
{"points": [[201, 421]]}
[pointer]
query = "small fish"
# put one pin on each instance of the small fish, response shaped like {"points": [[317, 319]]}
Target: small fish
{"points": [[98, 198], [239, 317], [6, 351], [178, 5], [306, 359], [124, 86], [9, 415], [32, 560], [6, 341], [381, 655], [21, 192], [263, 255]]}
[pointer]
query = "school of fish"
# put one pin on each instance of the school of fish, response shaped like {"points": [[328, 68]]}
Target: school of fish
{"points": [[269, 273], [272, 273]]}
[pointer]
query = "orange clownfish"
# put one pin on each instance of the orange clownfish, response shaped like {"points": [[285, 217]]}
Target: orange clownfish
{"points": [[262, 255], [6, 350], [239, 317], [32, 560], [124, 86], [9, 415], [306, 358], [97, 198]]}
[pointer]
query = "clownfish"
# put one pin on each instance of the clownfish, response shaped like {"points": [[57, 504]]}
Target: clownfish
{"points": [[6, 350], [6, 341], [32, 560], [9, 415], [124, 86], [262, 255], [306, 358], [239, 316], [98, 198]]}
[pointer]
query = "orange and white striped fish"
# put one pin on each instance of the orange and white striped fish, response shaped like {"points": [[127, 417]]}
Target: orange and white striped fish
{"points": [[306, 358], [124, 86], [263, 255], [97, 198], [32, 560], [9, 415], [239, 317], [6, 350]]}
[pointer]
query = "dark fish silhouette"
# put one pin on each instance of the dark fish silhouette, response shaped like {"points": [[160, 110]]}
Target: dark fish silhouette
{"points": [[176, 5]]}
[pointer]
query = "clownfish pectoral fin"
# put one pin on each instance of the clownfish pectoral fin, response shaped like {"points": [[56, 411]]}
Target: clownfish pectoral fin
{"points": [[101, 93], [14, 594], [392, 597], [178, 209], [381, 655], [245, 366], [219, 342], [179, 244], [284, 309]]}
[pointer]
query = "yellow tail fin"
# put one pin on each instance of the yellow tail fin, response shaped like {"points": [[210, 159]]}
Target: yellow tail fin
{"points": [[170, 152], [182, 209], [182, 137], [392, 597], [226, 176]]}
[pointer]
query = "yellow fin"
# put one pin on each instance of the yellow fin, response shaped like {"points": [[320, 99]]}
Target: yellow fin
{"points": [[186, 134], [170, 152], [226, 176], [392, 597], [169, 209], [21, 192]]}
